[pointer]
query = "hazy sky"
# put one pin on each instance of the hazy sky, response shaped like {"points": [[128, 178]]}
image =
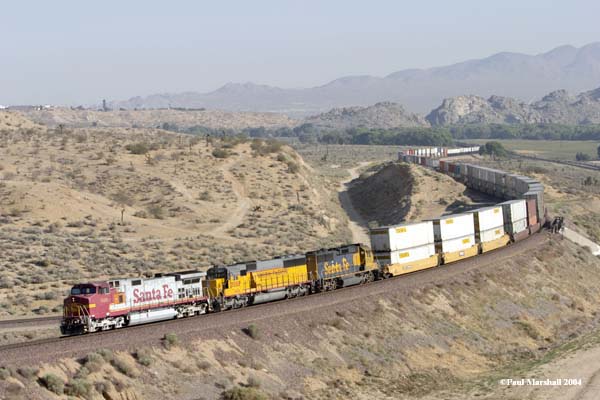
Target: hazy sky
{"points": [[78, 52]]}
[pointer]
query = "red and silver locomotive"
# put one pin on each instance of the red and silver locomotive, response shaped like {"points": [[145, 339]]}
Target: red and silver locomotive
{"points": [[97, 306]]}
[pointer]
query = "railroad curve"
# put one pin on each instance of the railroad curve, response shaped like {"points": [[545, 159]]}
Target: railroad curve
{"points": [[213, 325]]}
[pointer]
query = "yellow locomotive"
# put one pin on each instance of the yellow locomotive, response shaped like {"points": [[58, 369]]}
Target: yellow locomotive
{"points": [[254, 282]]}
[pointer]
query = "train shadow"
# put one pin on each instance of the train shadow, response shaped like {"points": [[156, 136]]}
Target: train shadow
{"points": [[478, 200]]}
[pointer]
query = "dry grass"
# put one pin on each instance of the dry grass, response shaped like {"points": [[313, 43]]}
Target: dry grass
{"points": [[63, 194]]}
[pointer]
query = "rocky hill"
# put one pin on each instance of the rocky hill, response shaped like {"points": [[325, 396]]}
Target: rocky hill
{"points": [[505, 74], [381, 115], [557, 107]]}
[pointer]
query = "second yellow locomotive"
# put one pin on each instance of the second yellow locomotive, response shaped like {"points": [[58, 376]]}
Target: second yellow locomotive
{"points": [[254, 282]]}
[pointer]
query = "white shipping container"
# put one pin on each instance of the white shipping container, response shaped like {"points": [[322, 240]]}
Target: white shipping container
{"points": [[490, 234], [397, 237], [406, 255], [488, 218], [515, 227], [457, 244], [453, 226], [514, 210]]}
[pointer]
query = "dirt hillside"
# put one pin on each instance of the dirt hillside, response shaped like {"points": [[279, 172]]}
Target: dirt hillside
{"points": [[393, 192], [13, 121], [186, 203], [154, 118]]}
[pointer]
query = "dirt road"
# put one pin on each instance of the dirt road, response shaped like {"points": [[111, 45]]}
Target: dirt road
{"points": [[357, 225], [242, 200], [581, 240]]}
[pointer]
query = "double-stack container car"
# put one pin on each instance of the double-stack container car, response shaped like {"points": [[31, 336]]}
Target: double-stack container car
{"points": [[455, 237], [515, 219], [405, 248], [489, 228]]}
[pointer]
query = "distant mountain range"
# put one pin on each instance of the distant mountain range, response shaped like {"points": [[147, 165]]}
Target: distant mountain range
{"points": [[557, 107], [521, 76]]}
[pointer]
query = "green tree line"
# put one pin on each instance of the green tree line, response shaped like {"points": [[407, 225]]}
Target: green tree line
{"points": [[526, 131], [418, 136]]}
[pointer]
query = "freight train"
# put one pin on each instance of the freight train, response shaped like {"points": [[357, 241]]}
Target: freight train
{"points": [[394, 250]]}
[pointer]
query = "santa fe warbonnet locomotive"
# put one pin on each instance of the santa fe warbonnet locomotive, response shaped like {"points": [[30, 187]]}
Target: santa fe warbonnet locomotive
{"points": [[397, 250]]}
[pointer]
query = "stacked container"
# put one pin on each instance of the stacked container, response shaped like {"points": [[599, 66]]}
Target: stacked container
{"points": [[405, 248], [515, 219], [489, 228], [455, 237]]}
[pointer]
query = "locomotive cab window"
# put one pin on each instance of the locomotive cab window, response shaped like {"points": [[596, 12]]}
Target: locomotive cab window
{"points": [[77, 290], [325, 257]]}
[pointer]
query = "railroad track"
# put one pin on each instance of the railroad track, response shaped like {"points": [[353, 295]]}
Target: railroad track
{"points": [[577, 164], [26, 322], [217, 325]]}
